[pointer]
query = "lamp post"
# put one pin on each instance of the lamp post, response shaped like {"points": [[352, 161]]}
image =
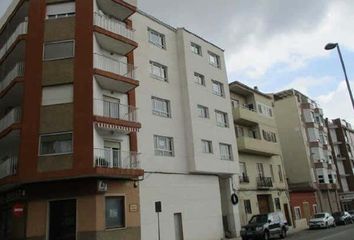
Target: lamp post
{"points": [[331, 46]]}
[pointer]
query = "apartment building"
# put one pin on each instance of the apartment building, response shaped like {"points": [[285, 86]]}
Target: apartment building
{"points": [[308, 160], [341, 138], [92, 93], [69, 162], [189, 153], [263, 186]]}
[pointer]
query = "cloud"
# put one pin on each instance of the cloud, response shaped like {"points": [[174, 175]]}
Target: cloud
{"points": [[306, 84], [337, 104]]}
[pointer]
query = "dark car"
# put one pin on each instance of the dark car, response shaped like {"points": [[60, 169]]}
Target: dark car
{"points": [[342, 218], [351, 212], [265, 226]]}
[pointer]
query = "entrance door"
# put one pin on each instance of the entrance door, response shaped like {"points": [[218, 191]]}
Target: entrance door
{"points": [[111, 107], [287, 215], [62, 220], [307, 211], [263, 204], [178, 226]]}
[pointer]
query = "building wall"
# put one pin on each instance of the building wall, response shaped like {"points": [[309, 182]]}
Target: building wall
{"points": [[304, 200]]}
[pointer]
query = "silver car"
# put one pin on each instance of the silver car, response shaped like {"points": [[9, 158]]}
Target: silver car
{"points": [[322, 220]]}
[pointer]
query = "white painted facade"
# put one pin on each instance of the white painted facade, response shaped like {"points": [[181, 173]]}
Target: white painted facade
{"points": [[196, 184]]}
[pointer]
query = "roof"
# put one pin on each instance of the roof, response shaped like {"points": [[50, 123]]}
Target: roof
{"points": [[239, 84]]}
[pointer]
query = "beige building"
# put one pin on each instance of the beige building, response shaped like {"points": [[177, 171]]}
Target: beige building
{"points": [[307, 154], [263, 186]]}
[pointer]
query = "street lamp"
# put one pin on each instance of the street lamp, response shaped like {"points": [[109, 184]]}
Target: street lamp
{"points": [[331, 46]]}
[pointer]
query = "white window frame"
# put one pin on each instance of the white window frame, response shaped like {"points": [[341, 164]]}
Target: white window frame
{"points": [[217, 62], [163, 71], [314, 208], [228, 157], [61, 14], [224, 124], [221, 91], [55, 134], [198, 76], [58, 42], [209, 145], [297, 213], [205, 110], [164, 151], [159, 35], [160, 113]]}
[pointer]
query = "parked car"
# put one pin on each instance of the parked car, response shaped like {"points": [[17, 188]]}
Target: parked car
{"points": [[342, 218], [322, 220], [351, 212], [265, 226]]}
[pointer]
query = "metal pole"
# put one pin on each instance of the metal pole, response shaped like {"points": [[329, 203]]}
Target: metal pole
{"points": [[158, 225], [345, 74]]}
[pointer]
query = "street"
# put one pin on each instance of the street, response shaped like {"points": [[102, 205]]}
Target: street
{"points": [[338, 233]]}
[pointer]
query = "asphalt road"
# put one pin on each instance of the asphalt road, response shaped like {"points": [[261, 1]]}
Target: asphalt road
{"points": [[338, 233]]}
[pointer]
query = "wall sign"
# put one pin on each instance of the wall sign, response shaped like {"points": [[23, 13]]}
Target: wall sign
{"points": [[18, 210]]}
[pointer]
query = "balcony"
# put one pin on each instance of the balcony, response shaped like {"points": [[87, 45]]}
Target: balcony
{"points": [[122, 9], [113, 35], [16, 72], [110, 158], [114, 75], [264, 182], [257, 146], [246, 116], [244, 179], [8, 167], [113, 115], [20, 30], [14, 116]]}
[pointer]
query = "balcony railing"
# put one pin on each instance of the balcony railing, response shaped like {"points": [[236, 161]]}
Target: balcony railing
{"points": [[115, 110], [112, 158], [17, 71], [113, 25], [21, 29], [12, 117], [8, 167], [244, 179], [109, 64], [264, 182]]}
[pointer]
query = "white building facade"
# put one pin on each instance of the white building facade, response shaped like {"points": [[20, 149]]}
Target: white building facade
{"points": [[188, 148]]}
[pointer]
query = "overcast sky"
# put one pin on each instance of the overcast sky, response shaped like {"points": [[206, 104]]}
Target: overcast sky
{"points": [[273, 44]]}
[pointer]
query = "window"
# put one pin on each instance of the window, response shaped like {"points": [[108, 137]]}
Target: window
{"points": [[207, 146], [314, 208], [195, 48], [163, 146], [239, 131], [60, 10], [157, 39], [271, 171], [260, 169], [247, 204], [203, 112], [217, 88], [225, 152], [235, 103], [297, 211], [221, 119], [243, 169], [59, 94], [277, 203], [280, 173], [53, 144], [115, 212], [330, 178], [161, 107], [214, 60], [58, 50], [321, 179], [158, 71], [269, 136], [265, 110], [199, 79]]}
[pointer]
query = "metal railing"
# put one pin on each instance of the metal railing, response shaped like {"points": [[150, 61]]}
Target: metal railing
{"points": [[21, 29], [244, 179], [113, 65], [112, 158], [264, 182], [113, 25], [17, 71], [8, 167], [115, 110], [10, 118]]}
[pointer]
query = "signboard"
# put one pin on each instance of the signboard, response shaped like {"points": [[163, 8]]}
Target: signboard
{"points": [[158, 207], [18, 210], [133, 207], [102, 186]]}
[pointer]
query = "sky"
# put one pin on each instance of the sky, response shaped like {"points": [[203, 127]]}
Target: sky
{"points": [[273, 44]]}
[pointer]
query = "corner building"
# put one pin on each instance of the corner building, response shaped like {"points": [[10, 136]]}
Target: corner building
{"points": [[92, 93], [69, 160]]}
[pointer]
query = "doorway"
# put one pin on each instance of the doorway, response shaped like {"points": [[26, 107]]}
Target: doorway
{"points": [[113, 154], [263, 204], [62, 220], [178, 226], [287, 214]]}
